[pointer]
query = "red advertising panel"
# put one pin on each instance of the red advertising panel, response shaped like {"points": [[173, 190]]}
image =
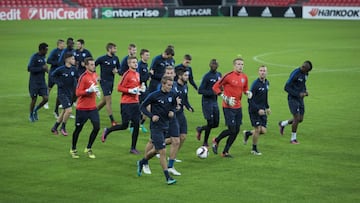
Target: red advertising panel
{"points": [[45, 13]]}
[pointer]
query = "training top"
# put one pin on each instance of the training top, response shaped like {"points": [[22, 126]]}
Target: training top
{"points": [[191, 76], [53, 58], [161, 103], [66, 79], [233, 84], [158, 65], [142, 69], [259, 99], [182, 92], [61, 60], [35, 67], [107, 64], [124, 66], [205, 88], [296, 83], [80, 57], [86, 101], [130, 79]]}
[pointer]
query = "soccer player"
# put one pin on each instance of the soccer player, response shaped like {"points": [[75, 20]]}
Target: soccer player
{"points": [[210, 107], [258, 109], [181, 90], [144, 77], [69, 49], [86, 91], [80, 54], [130, 89], [66, 79], [124, 62], [53, 61], [157, 68], [109, 65], [163, 106], [296, 89], [186, 65], [37, 86], [230, 88]]}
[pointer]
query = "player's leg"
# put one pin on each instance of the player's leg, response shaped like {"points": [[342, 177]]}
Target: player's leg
{"points": [[134, 114], [234, 128], [32, 106], [255, 138], [44, 94], [95, 121], [80, 120]]}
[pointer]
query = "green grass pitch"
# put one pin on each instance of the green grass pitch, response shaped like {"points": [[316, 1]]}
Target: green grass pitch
{"points": [[36, 165]]}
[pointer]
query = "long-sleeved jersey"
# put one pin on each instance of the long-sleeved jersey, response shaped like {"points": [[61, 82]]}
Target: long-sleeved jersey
{"points": [[61, 60], [259, 99], [124, 66], [205, 88], [107, 64], [130, 79], [66, 79], [36, 69], [86, 101], [53, 58], [143, 70], [296, 83], [182, 92], [191, 76], [161, 104], [233, 84], [158, 65], [80, 56]]}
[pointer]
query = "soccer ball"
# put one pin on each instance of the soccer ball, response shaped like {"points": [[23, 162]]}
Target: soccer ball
{"points": [[202, 152]]}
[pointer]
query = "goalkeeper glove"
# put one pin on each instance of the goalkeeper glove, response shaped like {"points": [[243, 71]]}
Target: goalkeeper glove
{"points": [[134, 90], [249, 94], [228, 100], [92, 88]]}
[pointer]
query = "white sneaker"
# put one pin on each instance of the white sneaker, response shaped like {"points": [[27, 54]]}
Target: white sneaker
{"points": [[174, 171], [146, 169], [46, 106], [158, 156], [256, 153]]}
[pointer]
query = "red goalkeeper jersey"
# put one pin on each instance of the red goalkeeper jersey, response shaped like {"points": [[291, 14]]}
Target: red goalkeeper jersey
{"points": [[130, 79], [86, 101], [233, 84]]}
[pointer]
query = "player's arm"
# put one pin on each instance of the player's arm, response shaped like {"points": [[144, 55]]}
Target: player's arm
{"points": [[145, 104], [289, 88], [191, 79], [34, 69], [203, 88], [81, 87]]}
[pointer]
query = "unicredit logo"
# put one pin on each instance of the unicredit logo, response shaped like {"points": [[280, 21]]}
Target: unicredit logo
{"points": [[32, 13]]}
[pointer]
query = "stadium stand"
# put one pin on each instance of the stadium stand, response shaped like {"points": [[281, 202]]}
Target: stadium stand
{"points": [[332, 3], [265, 2], [33, 3], [120, 3]]}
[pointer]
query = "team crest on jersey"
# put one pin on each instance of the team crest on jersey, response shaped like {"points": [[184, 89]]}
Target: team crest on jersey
{"points": [[242, 80], [114, 62], [83, 54], [170, 99], [72, 73]]}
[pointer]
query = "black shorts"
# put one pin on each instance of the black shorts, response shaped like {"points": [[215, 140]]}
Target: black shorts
{"points": [[158, 138], [211, 111], [130, 112], [173, 128], [38, 89], [296, 105], [182, 122], [83, 115], [233, 117], [66, 99], [107, 87], [257, 120]]}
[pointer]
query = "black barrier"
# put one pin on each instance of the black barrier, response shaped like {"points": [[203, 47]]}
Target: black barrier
{"points": [[266, 11]]}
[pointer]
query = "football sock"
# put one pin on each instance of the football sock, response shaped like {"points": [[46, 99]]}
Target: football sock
{"points": [[293, 136], [144, 161], [56, 125], [171, 163], [36, 108], [284, 123], [63, 125], [166, 173], [254, 147], [248, 133], [142, 121], [111, 117]]}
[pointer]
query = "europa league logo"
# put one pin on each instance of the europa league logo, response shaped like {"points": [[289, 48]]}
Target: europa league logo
{"points": [[96, 13]]}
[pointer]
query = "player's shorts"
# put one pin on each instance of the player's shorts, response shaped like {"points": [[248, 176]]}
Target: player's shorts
{"points": [[158, 138], [107, 87], [257, 120], [66, 99], [36, 89], [130, 112], [211, 111], [233, 117], [296, 105], [173, 130], [83, 115], [182, 122]]}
